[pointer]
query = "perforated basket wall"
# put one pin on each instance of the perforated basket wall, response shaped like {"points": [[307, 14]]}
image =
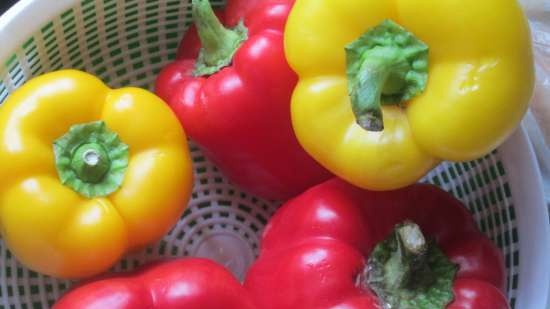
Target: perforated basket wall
{"points": [[126, 43]]}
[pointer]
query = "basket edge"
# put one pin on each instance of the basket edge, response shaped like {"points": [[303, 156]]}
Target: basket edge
{"points": [[21, 21], [518, 156]]}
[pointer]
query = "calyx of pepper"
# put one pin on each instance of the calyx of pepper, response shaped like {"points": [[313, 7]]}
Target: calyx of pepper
{"points": [[387, 65], [406, 271], [219, 44], [91, 159]]}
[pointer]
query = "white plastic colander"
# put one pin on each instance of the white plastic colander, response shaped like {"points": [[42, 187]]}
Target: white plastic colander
{"points": [[126, 42]]}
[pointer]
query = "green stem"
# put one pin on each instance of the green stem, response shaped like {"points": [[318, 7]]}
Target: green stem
{"points": [[386, 65], [406, 271], [219, 44], [410, 257], [366, 93], [91, 162], [91, 159]]}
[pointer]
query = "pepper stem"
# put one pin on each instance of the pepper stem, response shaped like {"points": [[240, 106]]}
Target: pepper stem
{"points": [[219, 44], [366, 91], [91, 162], [386, 65], [406, 271], [410, 257], [91, 159]]}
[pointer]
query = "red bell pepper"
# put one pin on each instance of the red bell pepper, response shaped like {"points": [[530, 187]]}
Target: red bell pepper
{"points": [[184, 283], [233, 97], [329, 248]]}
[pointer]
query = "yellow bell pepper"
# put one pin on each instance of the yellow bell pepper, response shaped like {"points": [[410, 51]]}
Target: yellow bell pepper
{"points": [[390, 88], [87, 173]]}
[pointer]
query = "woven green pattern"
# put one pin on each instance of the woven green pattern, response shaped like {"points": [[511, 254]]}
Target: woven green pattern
{"points": [[127, 43]]}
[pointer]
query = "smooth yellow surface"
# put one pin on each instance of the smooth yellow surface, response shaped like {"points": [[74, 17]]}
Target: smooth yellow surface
{"points": [[52, 229], [480, 82]]}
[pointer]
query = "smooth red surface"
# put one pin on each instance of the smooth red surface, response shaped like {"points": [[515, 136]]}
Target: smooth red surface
{"points": [[315, 247], [477, 294], [240, 116], [179, 284]]}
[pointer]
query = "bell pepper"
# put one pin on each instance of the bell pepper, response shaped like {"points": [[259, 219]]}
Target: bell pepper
{"points": [[387, 89], [231, 87], [339, 246], [87, 172], [185, 283]]}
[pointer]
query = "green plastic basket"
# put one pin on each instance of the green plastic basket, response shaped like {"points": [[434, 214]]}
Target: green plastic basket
{"points": [[128, 42]]}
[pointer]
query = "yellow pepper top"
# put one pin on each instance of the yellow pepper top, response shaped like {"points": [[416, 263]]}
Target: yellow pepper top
{"points": [[87, 173], [389, 88]]}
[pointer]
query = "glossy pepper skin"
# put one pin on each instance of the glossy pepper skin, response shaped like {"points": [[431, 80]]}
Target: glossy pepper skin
{"points": [[240, 115], [186, 284], [480, 80], [50, 227], [314, 250]]}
